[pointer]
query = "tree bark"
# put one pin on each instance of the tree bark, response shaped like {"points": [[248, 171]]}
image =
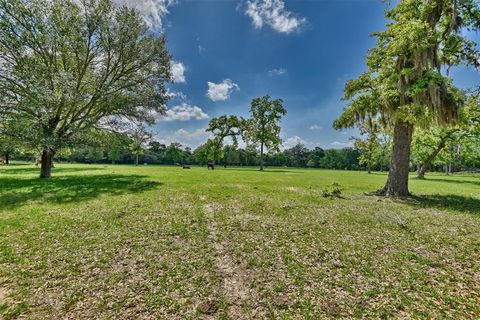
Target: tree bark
{"points": [[47, 163], [448, 168], [7, 158], [431, 157], [136, 160], [261, 157], [397, 182]]}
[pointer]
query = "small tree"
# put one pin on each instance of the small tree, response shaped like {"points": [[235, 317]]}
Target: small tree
{"points": [[139, 138], [262, 128], [223, 127], [311, 163], [7, 147]]}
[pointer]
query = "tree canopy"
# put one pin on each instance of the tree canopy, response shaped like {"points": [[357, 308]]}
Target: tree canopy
{"points": [[67, 66], [406, 84]]}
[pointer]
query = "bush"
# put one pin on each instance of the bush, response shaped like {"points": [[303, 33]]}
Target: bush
{"points": [[332, 191]]}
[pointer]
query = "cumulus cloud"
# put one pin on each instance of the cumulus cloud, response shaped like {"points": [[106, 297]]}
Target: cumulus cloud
{"points": [[184, 112], [187, 138], [292, 142], [315, 127], [151, 10], [178, 72], [221, 91], [277, 72], [273, 14], [176, 95], [339, 144]]}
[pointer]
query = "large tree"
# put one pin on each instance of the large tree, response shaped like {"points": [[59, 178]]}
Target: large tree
{"points": [[262, 128], [406, 83], [69, 65]]}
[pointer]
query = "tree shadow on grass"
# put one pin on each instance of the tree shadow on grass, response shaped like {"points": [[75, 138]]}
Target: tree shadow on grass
{"points": [[475, 181], [16, 192], [453, 202], [35, 170], [258, 170]]}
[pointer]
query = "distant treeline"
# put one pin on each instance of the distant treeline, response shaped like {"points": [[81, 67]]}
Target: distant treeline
{"points": [[299, 156]]}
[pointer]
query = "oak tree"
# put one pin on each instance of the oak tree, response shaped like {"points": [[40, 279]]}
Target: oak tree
{"points": [[70, 65]]}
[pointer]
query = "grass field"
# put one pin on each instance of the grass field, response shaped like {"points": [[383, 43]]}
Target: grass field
{"points": [[154, 242]]}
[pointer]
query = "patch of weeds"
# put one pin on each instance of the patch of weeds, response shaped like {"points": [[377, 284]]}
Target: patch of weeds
{"points": [[332, 191], [13, 311], [397, 220]]}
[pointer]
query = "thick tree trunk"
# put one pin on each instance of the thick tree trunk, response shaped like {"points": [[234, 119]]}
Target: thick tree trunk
{"points": [[397, 182], [47, 163], [261, 157], [369, 169], [136, 160], [7, 158], [431, 157]]}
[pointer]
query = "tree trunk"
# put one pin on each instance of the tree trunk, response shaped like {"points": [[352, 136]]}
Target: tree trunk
{"points": [[136, 160], [261, 157], [369, 168], [448, 168], [397, 182], [7, 158], [431, 157], [47, 163]]}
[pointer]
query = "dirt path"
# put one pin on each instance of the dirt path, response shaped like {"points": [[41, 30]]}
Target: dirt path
{"points": [[235, 284]]}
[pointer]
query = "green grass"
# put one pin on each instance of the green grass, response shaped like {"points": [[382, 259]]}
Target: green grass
{"points": [[140, 242]]}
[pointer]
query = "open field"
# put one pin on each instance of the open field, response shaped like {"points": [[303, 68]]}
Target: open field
{"points": [[152, 242]]}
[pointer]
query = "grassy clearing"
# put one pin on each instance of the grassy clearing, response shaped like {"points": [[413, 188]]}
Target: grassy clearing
{"points": [[140, 242]]}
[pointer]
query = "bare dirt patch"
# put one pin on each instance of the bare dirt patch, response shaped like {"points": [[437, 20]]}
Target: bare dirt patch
{"points": [[234, 283], [4, 293]]}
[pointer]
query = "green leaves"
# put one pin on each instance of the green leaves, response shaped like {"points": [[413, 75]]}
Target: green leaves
{"points": [[71, 65], [262, 127]]}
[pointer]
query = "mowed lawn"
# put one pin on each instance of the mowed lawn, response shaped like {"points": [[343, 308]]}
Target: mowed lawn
{"points": [[155, 242]]}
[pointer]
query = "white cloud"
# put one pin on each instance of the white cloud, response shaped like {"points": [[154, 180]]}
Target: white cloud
{"points": [[340, 144], [221, 91], [184, 112], [315, 127], [273, 13], [277, 72], [292, 142], [178, 72], [187, 138], [176, 95], [201, 49], [151, 10]]}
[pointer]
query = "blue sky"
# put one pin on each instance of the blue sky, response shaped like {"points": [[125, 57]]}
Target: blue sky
{"points": [[228, 52]]}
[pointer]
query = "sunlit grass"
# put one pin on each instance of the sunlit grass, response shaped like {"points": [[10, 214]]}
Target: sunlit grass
{"points": [[101, 241]]}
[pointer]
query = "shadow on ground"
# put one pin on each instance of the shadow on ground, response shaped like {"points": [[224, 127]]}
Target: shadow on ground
{"points": [[447, 202], [15, 192], [474, 181], [258, 170], [35, 170]]}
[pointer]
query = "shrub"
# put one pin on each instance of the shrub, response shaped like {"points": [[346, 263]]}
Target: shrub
{"points": [[332, 191]]}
